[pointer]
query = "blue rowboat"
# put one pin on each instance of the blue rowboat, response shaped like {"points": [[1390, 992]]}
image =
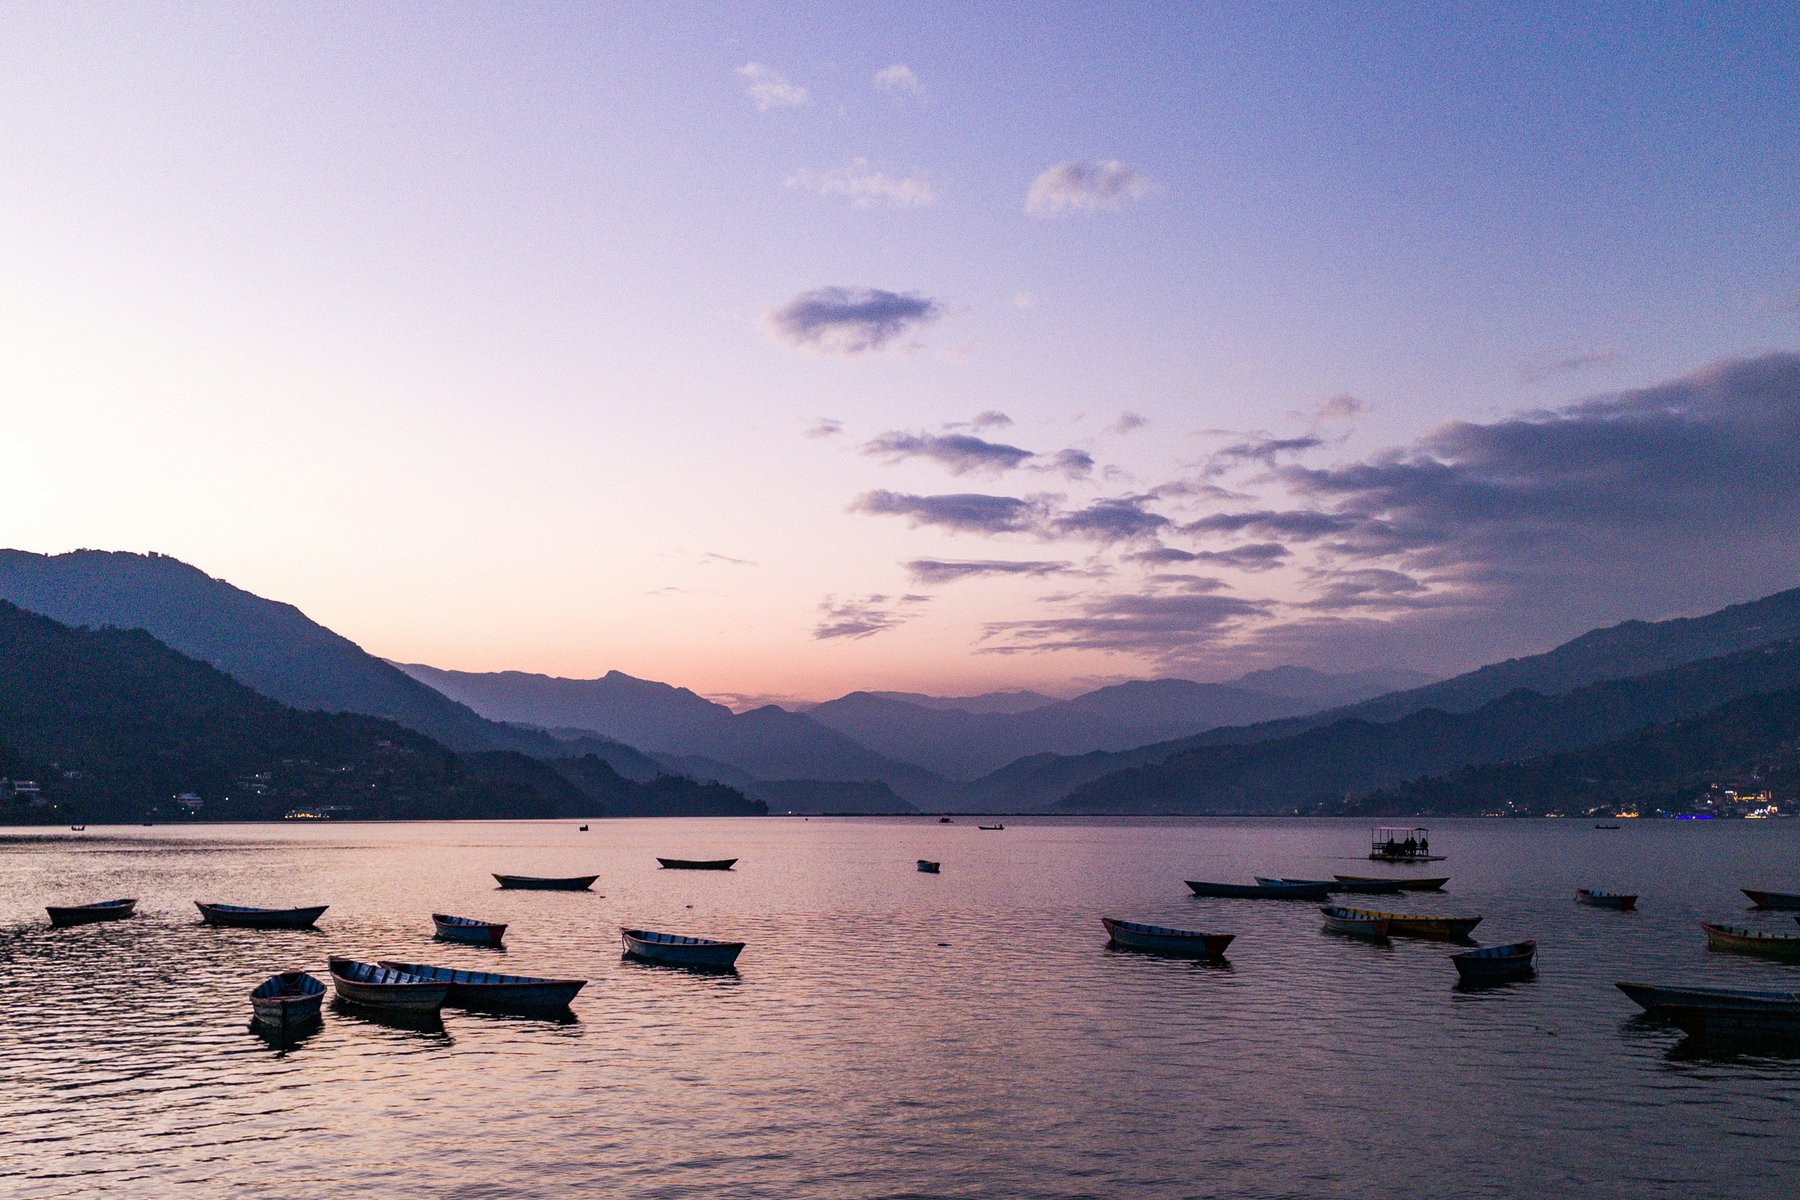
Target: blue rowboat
{"points": [[1159, 939], [1720, 1011], [1772, 899], [377, 986], [541, 883], [1260, 891], [1377, 887], [499, 993], [697, 864], [287, 1000], [1491, 963], [86, 914], [243, 916], [468, 929], [679, 949]]}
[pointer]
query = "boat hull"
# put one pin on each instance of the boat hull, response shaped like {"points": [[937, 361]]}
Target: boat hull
{"points": [[1735, 940], [1373, 887], [496, 993], [1496, 963], [88, 914], [697, 864], [1405, 885], [486, 933], [1720, 1012], [1772, 899], [239, 917], [374, 986], [646, 945], [1339, 920], [929, 867], [1605, 900], [287, 1001], [1156, 939], [1415, 925], [1260, 891], [534, 883]]}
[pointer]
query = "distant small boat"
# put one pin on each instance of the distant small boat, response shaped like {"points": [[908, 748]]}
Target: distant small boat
{"points": [[583, 829], [990, 827], [1416, 925], [945, 821], [1599, 826], [78, 828], [1739, 940], [1406, 885], [86, 914], [245, 917], [538, 883], [1719, 1011], [286, 1000], [486, 990], [1772, 899], [1402, 844], [1162, 940], [468, 929], [383, 987], [679, 949], [1355, 922], [1492, 963], [1357, 886], [929, 867], [1260, 891], [697, 864], [1600, 899]]}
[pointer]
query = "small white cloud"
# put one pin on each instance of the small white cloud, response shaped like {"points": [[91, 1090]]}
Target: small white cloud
{"points": [[1086, 187], [1025, 300], [865, 187], [770, 89], [900, 79]]}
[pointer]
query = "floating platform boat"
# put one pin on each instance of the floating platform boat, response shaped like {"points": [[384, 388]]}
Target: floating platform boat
{"points": [[1158, 939], [1719, 1011], [377, 986], [929, 867], [1260, 891], [1600, 899], [1405, 885], [496, 993], [990, 828], [680, 950], [697, 864], [1355, 923], [1740, 940], [468, 929], [1377, 887], [287, 1000], [86, 914], [1772, 899], [1492, 964], [541, 883], [1417, 925], [1402, 844], [244, 916]]}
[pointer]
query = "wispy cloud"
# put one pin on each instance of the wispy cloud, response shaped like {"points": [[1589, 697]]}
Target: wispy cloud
{"points": [[1114, 519], [900, 80], [1155, 625], [865, 616], [825, 427], [844, 320], [1261, 449], [1341, 407], [769, 89], [1128, 422], [1251, 556], [709, 558], [866, 187], [1567, 364], [959, 453], [991, 418], [1086, 187], [932, 572], [968, 512]]}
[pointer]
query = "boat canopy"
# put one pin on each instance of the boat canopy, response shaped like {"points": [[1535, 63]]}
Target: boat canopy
{"points": [[1400, 841]]}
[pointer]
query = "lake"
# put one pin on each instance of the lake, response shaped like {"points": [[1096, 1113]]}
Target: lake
{"points": [[890, 1033]]}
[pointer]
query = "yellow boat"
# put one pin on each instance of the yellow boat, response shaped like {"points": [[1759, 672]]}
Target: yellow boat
{"points": [[1415, 925]]}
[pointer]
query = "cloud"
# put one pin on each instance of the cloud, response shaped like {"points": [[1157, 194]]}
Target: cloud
{"points": [[960, 453], [770, 89], [1118, 519], [1070, 464], [1086, 187], [1252, 556], [1341, 407], [991, 418], [844, 320], [934, 572], [1369, 587], [709, 558], [825, 427], [1297, 524], [1262, 449], [900, 80], [1567, 364], [865, 187], [1128, 422], [863, 617], [962, 513], [1154, 625]]}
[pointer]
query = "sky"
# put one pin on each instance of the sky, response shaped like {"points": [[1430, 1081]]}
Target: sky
{"points": [[780, 350]]}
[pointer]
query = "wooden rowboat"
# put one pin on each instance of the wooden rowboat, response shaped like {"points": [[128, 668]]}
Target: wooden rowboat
{"points": [[990, 828], [468, 929], [680, 950], [1600, 899], [383, 987], [1406, 885], [1772, 899], [1260, 891], [929, 867], [87, 914], [1355, 923], [697, 864], [246, 917], [1738, 940], [1720, 1012], [498, 993], [1415, 925], [1490, 964], [1158, 939], [287, 1000], [539, 883], [1358, 886]]}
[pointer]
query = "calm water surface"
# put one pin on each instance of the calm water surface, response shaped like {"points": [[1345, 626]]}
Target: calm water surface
{"points": [[888, 1033]]}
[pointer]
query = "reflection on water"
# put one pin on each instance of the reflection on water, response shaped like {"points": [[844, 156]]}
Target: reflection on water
{"points": [[886, 1032]]}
